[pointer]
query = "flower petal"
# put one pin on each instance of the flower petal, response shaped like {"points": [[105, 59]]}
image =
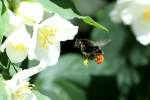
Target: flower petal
{"points": [[17, 45], [120, 6], [145, 2], [66, 30], [31, 96], [30, 12], [67, 33], [47, 36], [53, 53], [13, 23], [31, 53], [127, 16], [50, 55], [130, 13], [141, 29]]}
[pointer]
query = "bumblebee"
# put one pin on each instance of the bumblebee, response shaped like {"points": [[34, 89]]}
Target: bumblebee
{"points": [[91, 50]]}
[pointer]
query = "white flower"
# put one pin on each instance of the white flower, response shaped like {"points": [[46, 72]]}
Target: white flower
{"points": [[47, 37], [14, 23], [18, 87], [137, 14], [30, 12], [115, 15], [17, 45], [20, 90]]}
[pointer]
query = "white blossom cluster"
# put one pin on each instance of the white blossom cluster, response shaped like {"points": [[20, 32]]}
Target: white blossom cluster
{"points": [[135, 13], [49, 29]]}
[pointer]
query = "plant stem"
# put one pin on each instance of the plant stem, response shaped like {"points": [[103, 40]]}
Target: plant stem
{"points": [[26, 73]]}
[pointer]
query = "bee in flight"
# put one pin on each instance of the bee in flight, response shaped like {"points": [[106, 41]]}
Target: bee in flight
{"points": [[91, 50]]}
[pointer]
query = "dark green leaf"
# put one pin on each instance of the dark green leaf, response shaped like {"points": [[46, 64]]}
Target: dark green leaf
{"points": [[137, 57], [3, 7], [69, 13], [60, 89], [70, 70], [85, 8], [73, 91], [64, 4], [90, 21], [126, 78], [57, 81], [13, 69]]}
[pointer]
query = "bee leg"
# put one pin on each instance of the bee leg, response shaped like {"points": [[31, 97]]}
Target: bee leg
{"points": [[86, 61]]}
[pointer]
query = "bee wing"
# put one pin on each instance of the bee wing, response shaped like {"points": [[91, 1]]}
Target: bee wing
{"points": [[101, 43]]}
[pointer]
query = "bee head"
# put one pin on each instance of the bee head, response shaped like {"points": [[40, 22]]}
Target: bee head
{"points": [[78, 43], [97, 50]]}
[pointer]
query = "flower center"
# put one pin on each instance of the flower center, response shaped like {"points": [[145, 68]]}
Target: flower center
{"points": [[147, 14], [46, 36], [24, 89], [19, 47]]}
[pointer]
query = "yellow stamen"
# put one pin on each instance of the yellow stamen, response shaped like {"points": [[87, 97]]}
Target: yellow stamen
{"points": [[46, 35], [20, 47], [24, 89], [147, 14]]}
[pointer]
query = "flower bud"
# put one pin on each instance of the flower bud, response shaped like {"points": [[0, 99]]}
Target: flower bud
{"points": [[30, 12]]}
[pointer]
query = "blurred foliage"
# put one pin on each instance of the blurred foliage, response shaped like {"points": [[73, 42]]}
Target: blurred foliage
{"points": [[85, 6], [124, 50], [123, 56], [69, 14], [125, 59], [40, 96]]}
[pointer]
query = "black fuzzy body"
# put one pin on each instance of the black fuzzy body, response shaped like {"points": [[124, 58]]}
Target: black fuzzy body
{"points": [[88, 49]]}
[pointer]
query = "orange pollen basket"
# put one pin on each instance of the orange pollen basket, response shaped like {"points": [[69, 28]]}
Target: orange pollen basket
{"points": [[99, 59]]}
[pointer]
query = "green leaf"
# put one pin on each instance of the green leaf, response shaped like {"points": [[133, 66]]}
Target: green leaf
{"points": [[126, 78], [13, 69], [60, 89], [3, 23], [137, 57], [69, 13], [65, 4], [70, 70], [3, 7], [74, 92], [40, 96], [74, 70], [58, 82], [85, 8], [54, 91], [90, 21]]}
